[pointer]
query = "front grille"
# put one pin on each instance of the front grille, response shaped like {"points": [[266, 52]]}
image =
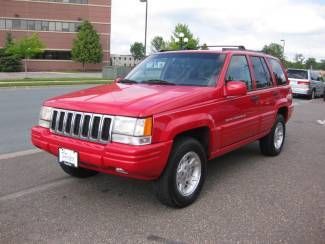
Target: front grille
{"points": [[86, 126]]}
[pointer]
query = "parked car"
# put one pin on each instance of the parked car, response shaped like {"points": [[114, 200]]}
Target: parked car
{"points": [[305, 82], [168, 117]]}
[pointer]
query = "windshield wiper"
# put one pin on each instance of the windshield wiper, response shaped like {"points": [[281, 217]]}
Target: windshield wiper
{"points": [[158, 82], [127, 81]]}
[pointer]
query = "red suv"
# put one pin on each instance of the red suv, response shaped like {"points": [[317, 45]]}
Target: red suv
{"points": [[168, 117]]}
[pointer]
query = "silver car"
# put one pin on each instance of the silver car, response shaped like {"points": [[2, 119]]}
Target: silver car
{"points": [[306, 82]]}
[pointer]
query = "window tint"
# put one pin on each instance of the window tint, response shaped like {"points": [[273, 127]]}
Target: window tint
{"points": [[38, 25], [297, 74], [316, 75], [278, 72], [239, 71], [262, 74], [191, 69]]}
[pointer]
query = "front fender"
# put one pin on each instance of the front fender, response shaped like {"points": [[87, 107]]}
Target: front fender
{"points": [[176, 125]]}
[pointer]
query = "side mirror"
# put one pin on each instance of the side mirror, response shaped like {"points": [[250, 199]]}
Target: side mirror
{"points": [[118, 79], [236, 88]]}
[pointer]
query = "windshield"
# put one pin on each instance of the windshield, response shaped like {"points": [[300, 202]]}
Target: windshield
{"points": [[192, 69], [297, 74]]}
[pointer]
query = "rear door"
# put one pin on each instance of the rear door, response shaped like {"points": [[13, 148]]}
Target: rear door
{"points": [[316, 81], [239, 115], [265, 90]]}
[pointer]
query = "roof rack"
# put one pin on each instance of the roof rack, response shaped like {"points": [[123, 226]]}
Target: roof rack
{"points": [[225, 47]]}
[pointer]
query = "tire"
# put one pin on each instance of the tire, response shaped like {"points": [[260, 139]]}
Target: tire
{"points": [[269, 145], [312, 95], [78, 172], [168, 187]]}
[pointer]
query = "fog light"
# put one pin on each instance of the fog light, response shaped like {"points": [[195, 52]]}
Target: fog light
{"points": [[121, 171]]}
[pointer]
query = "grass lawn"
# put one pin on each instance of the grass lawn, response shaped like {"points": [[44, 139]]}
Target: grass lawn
{"points": [[52, 82]]}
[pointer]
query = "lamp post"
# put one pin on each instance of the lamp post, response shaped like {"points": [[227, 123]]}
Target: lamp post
{"points": [[146, 27], [283, 45], [181, 39]]}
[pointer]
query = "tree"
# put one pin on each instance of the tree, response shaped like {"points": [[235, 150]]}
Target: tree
{"points": [[86, 46], [9, 40], [275, 50], [157, 44], [137, 50], [26, 48], [204, 47], [299, 58], [311, 63], [177, 42], [321, 65]]}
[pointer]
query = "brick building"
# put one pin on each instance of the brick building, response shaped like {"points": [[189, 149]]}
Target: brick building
{"points": [[56, 22]]}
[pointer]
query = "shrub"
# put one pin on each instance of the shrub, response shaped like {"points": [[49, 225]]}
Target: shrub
{"points": [[9, 62]]}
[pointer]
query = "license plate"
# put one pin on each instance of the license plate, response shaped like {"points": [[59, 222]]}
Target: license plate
{"points": [[68, 157]]}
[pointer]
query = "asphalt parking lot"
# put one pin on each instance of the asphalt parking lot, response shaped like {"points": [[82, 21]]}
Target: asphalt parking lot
{"points": [[247, 198]]}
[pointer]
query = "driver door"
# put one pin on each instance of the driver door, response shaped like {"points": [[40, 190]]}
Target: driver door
{"points": [[239, 115]]}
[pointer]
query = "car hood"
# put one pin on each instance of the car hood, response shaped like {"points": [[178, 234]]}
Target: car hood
{"points": [[138, 100]]}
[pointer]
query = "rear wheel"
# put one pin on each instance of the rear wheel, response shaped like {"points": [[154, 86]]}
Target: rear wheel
{"points": [[312, 95], [272, 143], [78, 172], [184, 176]]}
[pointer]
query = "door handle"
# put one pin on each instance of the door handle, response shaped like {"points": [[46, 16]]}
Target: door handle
{"points": [[255, 98]]}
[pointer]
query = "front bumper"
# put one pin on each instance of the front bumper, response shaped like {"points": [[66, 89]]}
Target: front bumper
{"points": [[140, 162]]}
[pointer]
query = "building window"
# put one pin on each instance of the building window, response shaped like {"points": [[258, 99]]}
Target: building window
{"points": [[45, 26], [8, 24], [64, 1], [31, 25], [55, 55], [2, 24], [58, 26], [52, 26], [38, 25]]}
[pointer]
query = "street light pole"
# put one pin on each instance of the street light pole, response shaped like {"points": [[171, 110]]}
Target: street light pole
{"points": [[146, 27], [283, 45]]}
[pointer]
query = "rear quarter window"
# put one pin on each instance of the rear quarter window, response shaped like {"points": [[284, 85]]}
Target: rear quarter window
{"points": [[278, 72]]}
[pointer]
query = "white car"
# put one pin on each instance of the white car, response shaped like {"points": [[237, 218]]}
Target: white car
{"points": [[306, 82]]}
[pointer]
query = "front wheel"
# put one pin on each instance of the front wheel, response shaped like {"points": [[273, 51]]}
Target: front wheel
{"points": [[272, 143], [184, 176]]}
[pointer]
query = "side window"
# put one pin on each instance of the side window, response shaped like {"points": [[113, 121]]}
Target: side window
{"points": [[278, 72], [262, 73], [239, 71], [313, 75]]}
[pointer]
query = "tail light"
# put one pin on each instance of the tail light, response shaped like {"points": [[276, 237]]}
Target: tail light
{"points": [[306, 83]]}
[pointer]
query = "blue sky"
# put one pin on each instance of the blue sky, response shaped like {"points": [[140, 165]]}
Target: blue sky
{"points": [[252, 23]]}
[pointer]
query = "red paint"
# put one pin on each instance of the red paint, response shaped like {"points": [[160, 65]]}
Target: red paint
{"points": [[232, 115]]}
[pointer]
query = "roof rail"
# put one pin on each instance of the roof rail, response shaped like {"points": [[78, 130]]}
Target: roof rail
{"points": [[225, 47]]}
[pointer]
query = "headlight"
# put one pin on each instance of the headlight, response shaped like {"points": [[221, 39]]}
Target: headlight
{"points": [[45, 116], [132, 131]]}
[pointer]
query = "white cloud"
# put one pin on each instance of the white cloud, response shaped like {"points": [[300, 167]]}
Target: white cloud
{"points": [[252, 23]]}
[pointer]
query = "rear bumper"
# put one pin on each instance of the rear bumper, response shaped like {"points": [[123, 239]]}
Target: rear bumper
{"points": [[140, 162], [301, 91]]}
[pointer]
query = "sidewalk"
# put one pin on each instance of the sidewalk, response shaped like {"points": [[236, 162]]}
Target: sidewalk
{"points": [[37, 75]]}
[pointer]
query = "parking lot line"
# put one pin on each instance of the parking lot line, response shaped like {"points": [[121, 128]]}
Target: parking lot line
{"points": [[19, 154], [35, 189]]}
